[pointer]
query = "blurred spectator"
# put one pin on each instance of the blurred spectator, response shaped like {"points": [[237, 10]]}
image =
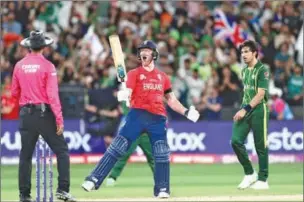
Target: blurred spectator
{"points": [[196, 86], [69, 74], [222, 52], [23, 14], [269, 51], [9, 106], [266, 16], [236, 66], [283, 62], [209, 63], [279, 109], [211, 105], [179, 86], [284, 36], [291, 17], [9, 38], [267, 31], [295, 87], [10, 25], [229, 87], [6, 69], [184, 69], [214, 80], [16, 53], [104, 80]]}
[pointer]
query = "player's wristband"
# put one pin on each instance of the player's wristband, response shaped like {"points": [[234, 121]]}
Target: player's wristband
{"points": [[247, 108]]}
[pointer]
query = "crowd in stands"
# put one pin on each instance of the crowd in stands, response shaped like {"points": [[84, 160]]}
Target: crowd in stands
{"points": [[204, 67]]}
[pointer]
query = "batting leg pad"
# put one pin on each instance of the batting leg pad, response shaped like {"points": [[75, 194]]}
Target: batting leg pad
{"points": [[161, 153], [116, 150]]}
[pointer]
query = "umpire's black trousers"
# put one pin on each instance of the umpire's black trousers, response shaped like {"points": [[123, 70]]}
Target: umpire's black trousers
{"points": [[35, 122]]}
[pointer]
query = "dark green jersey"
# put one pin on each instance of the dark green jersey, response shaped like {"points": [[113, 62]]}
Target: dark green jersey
{"points": [[255, 78]]}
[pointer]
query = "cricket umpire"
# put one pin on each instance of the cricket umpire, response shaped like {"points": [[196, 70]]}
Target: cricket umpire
{"points": [[35, 86]]}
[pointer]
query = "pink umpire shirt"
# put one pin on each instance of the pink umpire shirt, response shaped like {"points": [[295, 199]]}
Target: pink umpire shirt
{"points": [[35, 82]]}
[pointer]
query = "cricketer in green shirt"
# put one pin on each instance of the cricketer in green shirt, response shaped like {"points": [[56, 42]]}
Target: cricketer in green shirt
{"points": [[253, 115], [142, 141], [252, 79]]}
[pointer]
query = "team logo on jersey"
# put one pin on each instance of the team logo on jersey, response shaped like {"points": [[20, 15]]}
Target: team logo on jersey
{"points": [[266, 74], [142, 77], [159, 76]]}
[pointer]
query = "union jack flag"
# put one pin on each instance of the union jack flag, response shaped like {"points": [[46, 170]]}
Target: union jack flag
{"points": [[226, 27]]}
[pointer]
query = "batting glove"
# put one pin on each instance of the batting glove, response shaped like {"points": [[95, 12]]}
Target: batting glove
{"points": [[192, 114], [124, 95]]}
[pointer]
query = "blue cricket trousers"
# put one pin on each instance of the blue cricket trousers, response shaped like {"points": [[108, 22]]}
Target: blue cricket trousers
{"points": [[136, 122]]}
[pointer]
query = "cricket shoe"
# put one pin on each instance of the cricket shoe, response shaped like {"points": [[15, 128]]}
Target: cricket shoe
{"points": [[260, 185], [110, 182], [25, 198], [248, 180], [65, 196], [88, 185], [163, 195]]}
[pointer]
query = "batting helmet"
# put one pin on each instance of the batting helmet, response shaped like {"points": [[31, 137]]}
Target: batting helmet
{"points": [[150, 45], [36, 40]]}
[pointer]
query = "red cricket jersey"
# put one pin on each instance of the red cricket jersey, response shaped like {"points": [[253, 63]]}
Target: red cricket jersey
{"points": [[35, 82], [149, 89]]}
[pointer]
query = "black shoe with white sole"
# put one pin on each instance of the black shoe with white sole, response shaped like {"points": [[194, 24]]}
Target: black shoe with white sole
{"points": [[25, 198], [65, 196]]}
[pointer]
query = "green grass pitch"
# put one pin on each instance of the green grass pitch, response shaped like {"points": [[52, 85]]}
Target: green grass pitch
{"points": [[187, 180]]}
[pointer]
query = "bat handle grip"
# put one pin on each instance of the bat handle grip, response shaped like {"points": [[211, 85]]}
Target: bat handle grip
{"points": [[124, 86]]}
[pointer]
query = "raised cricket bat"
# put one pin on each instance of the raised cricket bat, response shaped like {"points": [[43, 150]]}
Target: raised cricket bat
{"points": [[119, 62]]}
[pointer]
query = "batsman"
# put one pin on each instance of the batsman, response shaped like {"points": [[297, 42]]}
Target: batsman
{"points": [[146, 89], [252, 116], [142, 141]]}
